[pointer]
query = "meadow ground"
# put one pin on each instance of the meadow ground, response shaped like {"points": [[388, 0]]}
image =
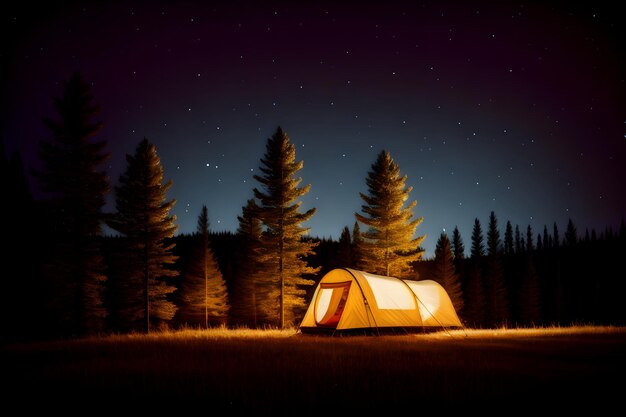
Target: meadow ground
{"points": [[558, 367]]}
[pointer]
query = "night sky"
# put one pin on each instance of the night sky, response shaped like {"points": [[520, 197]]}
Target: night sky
{"points": [[517, 108]]}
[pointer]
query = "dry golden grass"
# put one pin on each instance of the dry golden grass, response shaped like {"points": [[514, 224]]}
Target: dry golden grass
{"points": [[285, 370], [246, 333]]}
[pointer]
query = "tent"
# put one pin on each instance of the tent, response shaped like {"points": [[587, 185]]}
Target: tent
{"points": [[349, 299]]}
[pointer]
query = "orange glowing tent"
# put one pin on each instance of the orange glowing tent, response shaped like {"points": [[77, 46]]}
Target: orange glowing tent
{"points": [[349, 299]]}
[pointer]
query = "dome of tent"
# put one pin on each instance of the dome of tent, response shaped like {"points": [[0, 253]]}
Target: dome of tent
{"points": [[349, 299]]}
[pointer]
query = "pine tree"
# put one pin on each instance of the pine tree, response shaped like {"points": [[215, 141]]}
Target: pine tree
{"points": [[571, 236], [529, 239], [203, 290], [458, 252], [72, 173], [143, 219], [539, 242], [344, 249], [254, 295], [475, 287], [478, 248], [493, 236], [357, 247], [496, 294], [458, 248], [508, 239], [445, 274], [282, 220], [546, 238], [390, 246], [557, 241], [519, 246]]}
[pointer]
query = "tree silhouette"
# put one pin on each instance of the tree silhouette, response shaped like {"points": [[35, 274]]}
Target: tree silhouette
{"points": [[493, 236], [203, 290], [497, 297], [279, 213], [458, 248], [475, 287], [529, 239], [390, 247], [445, 272], [557, 239], [509, 248], [344, 249], [71, 173], [143, 219], [571, 235], [478, 248], [546, 238], [458, 252], [519, 246], [357, 247], [254, 295]]}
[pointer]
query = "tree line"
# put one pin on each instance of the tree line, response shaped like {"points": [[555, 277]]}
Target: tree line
{"points": [[71, 280]]}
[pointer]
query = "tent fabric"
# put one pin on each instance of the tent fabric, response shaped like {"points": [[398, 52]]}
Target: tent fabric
{"points": [[350, 299]]}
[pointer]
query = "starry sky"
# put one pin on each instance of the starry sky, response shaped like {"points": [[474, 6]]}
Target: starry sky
{"points": [[518, 108]]}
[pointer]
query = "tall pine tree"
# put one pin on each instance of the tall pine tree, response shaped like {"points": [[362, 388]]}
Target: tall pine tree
{"points": [[72, 172], [475, 288], [279, 212], [344, 249], [529, 239], [144, 221], [390, 246], [458, 252], [458, 248], [546, 238], [254, 295], [478, 247], [555, 232], [357, 247], [445, 274], [496, 294], [493, 236], [519, 247], [509, 248], [203, 290], [571, 235]]}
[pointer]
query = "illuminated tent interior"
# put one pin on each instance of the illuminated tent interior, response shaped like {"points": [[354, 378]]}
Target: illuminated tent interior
{"points": [[349, 299]]}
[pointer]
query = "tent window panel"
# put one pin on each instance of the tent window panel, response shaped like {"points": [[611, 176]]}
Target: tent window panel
{"points": [[428, 296], [330, 303], [390, 293]]}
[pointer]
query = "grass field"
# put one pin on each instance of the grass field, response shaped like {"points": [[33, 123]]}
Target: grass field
{"points": [[283, 370]]}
